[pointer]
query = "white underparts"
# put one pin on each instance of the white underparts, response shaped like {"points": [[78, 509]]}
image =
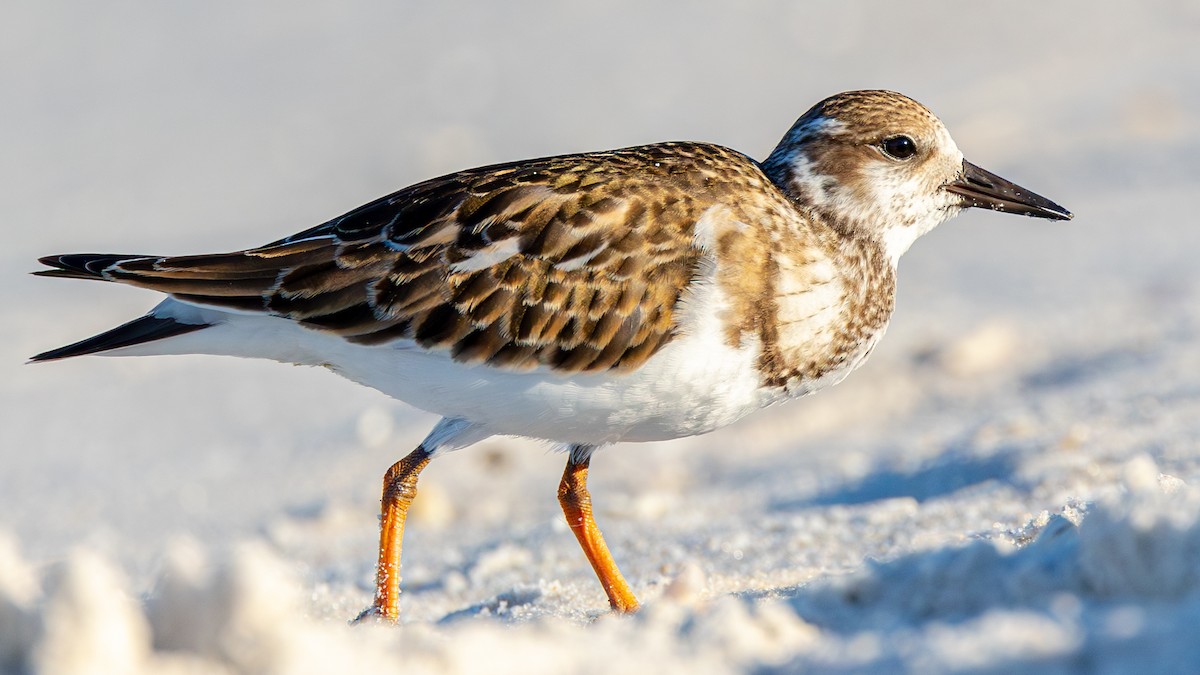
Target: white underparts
{"points": [[695, 384]]}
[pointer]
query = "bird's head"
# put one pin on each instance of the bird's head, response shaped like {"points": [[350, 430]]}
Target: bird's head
{"points": [[879, 164]]}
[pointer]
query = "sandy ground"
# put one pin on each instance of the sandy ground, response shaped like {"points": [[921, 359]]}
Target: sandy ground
{"points": [[1010, 485]]}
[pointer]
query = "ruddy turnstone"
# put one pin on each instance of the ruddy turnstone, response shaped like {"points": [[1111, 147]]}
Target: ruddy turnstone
{"points": [[640, 294]]}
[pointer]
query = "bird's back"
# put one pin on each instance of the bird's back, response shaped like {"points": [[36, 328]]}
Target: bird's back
{"points": [[575, 263]]}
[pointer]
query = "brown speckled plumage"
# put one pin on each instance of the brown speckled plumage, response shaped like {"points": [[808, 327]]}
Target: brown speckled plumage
{"points": [[603, 248], [603, 242]]}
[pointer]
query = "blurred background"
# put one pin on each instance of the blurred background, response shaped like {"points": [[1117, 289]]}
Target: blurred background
{"points": [[172, 128]]}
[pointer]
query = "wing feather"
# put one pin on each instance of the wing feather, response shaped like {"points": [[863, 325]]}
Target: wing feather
{"points": [[575, 263]]}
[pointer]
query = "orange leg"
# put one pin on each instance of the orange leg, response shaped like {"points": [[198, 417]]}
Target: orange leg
{"points": [[577, 506], [399, 489]]}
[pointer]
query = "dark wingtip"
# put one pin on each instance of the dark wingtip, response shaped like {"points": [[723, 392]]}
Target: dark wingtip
{"points": [[144, 329], [82, 265], [75, 262]]}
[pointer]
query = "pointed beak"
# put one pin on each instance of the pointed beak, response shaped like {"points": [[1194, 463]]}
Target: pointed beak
{"points": [[987, 190]]}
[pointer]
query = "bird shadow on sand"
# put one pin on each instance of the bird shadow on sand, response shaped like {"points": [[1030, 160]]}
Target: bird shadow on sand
{"points": [[949, 584], [948, 473], [1076, 370], [933, 592]]}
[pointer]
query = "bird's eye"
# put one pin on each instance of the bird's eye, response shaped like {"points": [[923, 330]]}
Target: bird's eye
{"points": [[899, 147]]}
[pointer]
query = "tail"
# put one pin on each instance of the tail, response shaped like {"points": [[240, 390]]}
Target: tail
{"points": [[242, 282], [145, 329]]}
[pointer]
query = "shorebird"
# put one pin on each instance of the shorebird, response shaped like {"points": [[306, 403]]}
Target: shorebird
{"points": [[640, 294]]}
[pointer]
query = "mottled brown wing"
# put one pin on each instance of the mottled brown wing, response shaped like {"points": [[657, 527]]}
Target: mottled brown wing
{"points": [[574, 262]]}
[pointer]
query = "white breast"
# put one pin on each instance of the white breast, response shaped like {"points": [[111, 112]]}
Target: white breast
{"points": [[810, 298]]}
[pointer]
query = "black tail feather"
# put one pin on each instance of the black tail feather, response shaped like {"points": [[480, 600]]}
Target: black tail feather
{"points": [[146, 329]]}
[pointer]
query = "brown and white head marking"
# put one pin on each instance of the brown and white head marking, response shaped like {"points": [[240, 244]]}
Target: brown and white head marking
{"points": [[879, 165]]}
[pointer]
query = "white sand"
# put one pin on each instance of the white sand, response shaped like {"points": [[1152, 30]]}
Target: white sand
{"points": [[1011, 485]]}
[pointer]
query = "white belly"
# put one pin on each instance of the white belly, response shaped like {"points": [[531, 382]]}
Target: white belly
{"points": [[694, 385], [686, 389]]}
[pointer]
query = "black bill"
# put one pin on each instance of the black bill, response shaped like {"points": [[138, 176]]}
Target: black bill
{"points": [[987, 190]]}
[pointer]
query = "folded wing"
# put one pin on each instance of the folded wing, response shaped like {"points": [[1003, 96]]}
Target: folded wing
{"points": [[575, 262]]}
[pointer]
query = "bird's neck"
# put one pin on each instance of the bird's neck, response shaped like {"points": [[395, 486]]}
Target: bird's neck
{"points": [[813, 189], [822, 196]]}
